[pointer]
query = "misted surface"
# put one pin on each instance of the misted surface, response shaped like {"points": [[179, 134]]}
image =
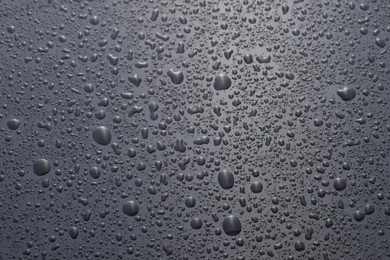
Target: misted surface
{"points": [[250, 129]]}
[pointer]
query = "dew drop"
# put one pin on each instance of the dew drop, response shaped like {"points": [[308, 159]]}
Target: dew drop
{"points": [[347, 93], [41, 167], [222, 82], [130, 208], [102, 135], [231, 225], [226, 179]]}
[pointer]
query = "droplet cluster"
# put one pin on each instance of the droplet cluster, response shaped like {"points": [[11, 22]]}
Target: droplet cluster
{"points": [[195, 129]]}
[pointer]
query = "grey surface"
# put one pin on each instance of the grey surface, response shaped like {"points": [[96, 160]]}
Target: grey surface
{"points": [[118, 117]]}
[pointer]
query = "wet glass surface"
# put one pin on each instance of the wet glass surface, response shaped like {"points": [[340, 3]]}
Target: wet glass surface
{"points": [[247, 129]]}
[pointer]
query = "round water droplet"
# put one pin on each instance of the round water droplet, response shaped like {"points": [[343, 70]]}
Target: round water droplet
{"points": [[130, 208], [359, 215], [41, 167], [13, 124], [256, 187], [94, 172], [299, 245], [11, 29], [196, 223], [226, 179], [231, 225], [102, 135], [190, 202], [340, 184], [94, 20]]}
